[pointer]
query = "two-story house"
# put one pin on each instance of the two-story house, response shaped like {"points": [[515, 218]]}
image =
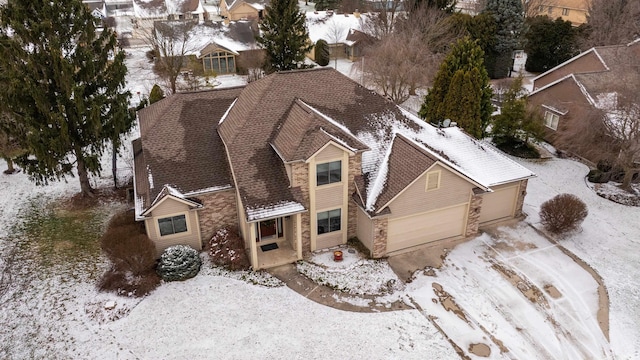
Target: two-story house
{"points": [[307, 160]]}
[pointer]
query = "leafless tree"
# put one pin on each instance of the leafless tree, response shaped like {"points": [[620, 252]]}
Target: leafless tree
{"points": [[252, 62], [335, 34], [613, 22], [409, 57], [532, 7], [383, 17], [171, 41]]}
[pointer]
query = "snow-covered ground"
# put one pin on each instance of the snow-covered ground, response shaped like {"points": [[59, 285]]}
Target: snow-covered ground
{"points": [[512, 291]]}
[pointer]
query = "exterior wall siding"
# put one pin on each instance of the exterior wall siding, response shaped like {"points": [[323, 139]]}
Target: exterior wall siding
{"points": [[365, 229], [168, 208], [415, 199], [329, 196], [329, 153], [586, 63], [219, 210]]}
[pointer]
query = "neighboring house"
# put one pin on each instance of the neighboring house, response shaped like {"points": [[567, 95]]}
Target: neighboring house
{"points": [[223, 47], [308, 159], [571, 90], [168, 10], [243, 9], [575, 11], [342, 32]]}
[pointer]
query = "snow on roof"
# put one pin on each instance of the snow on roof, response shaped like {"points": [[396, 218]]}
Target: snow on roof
{"points": [[203, 35], [332, 28], [145, 12], [479, 162], [226, 113], [207, 190], [274, 211]]}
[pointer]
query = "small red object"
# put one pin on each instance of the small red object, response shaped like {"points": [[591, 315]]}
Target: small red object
{"points": [[337, 255]]}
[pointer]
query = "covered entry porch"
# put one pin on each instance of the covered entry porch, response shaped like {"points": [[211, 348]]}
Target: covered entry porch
{"points": [[275, 241]]}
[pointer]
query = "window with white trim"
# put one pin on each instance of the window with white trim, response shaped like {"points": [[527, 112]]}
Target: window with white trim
{"points": [[551, 120], [329, 221], [433, 180], [565, 12], [329, 173], [172, 225]]}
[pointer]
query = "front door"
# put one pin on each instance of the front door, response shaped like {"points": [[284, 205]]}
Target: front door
{"points": [[267, 229]]}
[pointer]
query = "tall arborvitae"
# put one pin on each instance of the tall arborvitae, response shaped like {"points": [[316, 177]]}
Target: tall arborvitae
{"points": [[284, 35], [461, 90], [64, 84], [509, 18]]}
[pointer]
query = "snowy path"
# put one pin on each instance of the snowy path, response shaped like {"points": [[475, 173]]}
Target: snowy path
{"points": [[609, 242]]}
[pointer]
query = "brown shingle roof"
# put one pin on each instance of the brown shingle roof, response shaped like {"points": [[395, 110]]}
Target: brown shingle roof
{"points": [[406, 163], [179, 144], [252, 125]]}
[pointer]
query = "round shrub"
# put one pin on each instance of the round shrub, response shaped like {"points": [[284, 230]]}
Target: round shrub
{"points": [[598, 177], [179, 262], [562, 213]]}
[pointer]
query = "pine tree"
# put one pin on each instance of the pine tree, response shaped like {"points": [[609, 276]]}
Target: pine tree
{"points": [[461, 90], [64, 84], [322, 53], [549, 43], [284, 35], [516, 124], [156, 94], [509, 18]]}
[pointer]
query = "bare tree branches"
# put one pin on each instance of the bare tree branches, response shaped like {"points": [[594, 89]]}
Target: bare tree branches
{"points": [[613, 22], [171, 42], [408, 57]]}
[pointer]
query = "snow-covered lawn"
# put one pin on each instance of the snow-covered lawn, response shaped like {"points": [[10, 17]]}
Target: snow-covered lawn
{"points": [[511, 292]]}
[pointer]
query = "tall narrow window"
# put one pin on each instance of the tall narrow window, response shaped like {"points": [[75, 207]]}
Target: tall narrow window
{"points": [[565, 12], [329, 221], [329, 173], [172, 225]]}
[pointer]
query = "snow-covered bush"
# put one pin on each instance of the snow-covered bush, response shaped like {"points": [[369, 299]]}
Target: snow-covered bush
{"points": [[179, 262], [562, 213]]}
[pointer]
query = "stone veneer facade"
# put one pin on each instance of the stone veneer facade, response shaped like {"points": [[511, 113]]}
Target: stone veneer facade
{"points": [[300, 178], [380, 228], [473, 217], [521, 196], [355, 169], [219, 209]]}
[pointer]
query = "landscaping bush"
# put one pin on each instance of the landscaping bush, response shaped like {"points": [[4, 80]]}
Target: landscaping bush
{"points": [[226, 249], [562, 213], [322, 53], [604, 165], [597, 176], [132, 255], [179, 262]]}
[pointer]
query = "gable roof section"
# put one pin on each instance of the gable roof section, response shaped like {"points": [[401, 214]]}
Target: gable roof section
{"points": [[399, 175], [179, 145], [168, 192], [304, 131], [331, 27]]}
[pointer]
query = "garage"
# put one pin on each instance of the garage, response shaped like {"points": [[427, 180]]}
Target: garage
{"points": [[498, 204], [426, 227]]}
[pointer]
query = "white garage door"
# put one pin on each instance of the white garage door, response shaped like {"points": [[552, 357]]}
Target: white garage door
{"points": [[426, 227], [498, 204]]}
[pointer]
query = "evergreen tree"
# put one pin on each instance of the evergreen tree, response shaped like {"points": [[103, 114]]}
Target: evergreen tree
{"points": [[516, 125], [482, 28], [284, 35], [549, 43], [322, 53], [64, 85], [461, 90], [509, 18], [156, 94]]}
